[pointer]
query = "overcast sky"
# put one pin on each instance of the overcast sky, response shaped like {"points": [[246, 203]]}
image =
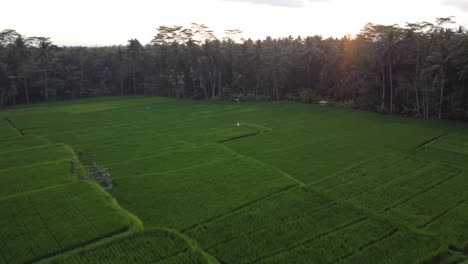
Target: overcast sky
{"points": [[107, 22]]}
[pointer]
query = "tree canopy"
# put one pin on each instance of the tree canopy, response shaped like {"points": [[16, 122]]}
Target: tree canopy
{"points": [[417, 69]]}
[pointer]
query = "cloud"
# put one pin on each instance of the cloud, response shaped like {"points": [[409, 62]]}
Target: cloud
{"points": [[462, 4], [285, 3]]}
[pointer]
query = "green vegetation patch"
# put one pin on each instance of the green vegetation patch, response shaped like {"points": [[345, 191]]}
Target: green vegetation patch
{"points": [[405, 188], [33, 155], [452, 150], [43, 223], [132, 147], [230, 132], [33, 177], [430, 206], [299, 226], [312, 143], [182, 198], [369, 175], [7, 131], [291, 183], [145, 247], [452, 226], [181, 158], [20, 143]]}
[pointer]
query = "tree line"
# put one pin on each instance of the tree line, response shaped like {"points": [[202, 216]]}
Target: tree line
{"points": [[417, 69]]}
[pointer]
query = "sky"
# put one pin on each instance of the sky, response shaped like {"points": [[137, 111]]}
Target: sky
{"points": [[114, 22]]}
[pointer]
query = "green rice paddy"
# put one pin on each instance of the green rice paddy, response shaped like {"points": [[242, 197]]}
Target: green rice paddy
{"points": [[213, 182]]}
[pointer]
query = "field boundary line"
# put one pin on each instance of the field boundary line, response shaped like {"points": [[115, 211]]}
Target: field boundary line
{"points": [[29, 148], [450, 150], [389, 181], [355, 165], [429, 142], [34, 147], [90, 244], [192, 244], [239, 208], [445, 163], [34, 191], [35, 164], [34, 205], [357, 177], [448, 163], [393, 206], [368, 245], [135, 225], [163, 152], [239, 137], [332, 204], [8, 120], [283, 173], [374, 215], [446, 211], [174, 254], [210, 247], [29, 248], [310, 240], [80, 170], [173, 170]]}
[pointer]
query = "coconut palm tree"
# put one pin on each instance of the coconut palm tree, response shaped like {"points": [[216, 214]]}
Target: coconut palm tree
{"points": [[445, 49]]}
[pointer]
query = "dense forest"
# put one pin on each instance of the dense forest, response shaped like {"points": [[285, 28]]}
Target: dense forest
{"points": [[419, 69]]}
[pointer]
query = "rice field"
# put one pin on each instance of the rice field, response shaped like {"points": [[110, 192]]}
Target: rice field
{"points": [[44, 223], [154, 246], [214, 182]]}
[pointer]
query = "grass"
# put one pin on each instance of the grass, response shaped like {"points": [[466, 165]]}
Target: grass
{"points": [[292, 183]]}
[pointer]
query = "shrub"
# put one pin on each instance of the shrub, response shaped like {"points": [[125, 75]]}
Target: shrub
{"points": [[308, 96]]}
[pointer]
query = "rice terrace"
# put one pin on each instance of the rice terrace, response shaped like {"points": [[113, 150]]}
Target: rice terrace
{"points": [[220, 182]]}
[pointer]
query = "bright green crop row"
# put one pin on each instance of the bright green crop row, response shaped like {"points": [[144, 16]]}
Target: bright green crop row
{"points": [[39, 175], [40, 154], [20, 143]]}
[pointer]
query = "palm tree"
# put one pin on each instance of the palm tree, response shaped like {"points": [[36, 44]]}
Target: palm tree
{"points": [[22, 62], [134, 54], [277, 70], [311, 52], [7, 37], [43, 57], [439, 60], [386, 39]]}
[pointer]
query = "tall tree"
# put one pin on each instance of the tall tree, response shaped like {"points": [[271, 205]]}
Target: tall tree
{"points": [[135, 58], [44, 57]]}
